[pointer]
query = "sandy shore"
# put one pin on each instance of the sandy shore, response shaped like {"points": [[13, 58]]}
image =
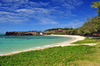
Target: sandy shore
{"points": [[67, 43]]}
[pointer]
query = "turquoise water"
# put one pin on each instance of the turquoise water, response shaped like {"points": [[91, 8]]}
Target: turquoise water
{"points": [[16, 43]]}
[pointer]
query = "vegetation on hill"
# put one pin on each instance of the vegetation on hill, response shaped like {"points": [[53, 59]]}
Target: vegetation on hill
{"points": [[92, 25], [57, 31], [59, 28]]}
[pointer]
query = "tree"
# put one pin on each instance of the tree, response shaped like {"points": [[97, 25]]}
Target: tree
{"points": [[96, 5]]}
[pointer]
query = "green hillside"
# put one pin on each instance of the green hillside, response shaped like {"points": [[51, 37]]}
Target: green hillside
{"points": [[92, 25]]}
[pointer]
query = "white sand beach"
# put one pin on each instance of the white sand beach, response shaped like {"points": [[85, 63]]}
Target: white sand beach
{"points": [[67, 43]]}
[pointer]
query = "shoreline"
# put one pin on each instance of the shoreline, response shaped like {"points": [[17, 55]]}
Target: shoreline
{"points": [[66, 43]]}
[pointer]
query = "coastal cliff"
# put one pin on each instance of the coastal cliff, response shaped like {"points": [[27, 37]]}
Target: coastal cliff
{"points": [[28, 33]]}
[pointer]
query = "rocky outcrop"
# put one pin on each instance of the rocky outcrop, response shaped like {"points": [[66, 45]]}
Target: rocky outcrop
{"points": [[28, 33]]}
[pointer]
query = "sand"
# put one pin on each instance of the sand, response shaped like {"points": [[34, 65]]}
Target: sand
{"points": [[67, 43]]}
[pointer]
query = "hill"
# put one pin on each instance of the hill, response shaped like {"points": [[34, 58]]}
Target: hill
{"points": [[58, 31], [88, 28]]}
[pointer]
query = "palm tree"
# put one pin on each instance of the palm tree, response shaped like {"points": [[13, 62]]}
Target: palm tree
{"points": [[96, 5]]}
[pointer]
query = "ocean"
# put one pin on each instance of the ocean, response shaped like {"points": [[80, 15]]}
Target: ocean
{"points": [[17, 43]]}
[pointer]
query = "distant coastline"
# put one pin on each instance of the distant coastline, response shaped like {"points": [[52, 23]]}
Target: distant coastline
{"points": [[27, 33]]}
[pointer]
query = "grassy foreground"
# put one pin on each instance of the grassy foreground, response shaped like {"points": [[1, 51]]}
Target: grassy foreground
{"points": [[81, 55]]}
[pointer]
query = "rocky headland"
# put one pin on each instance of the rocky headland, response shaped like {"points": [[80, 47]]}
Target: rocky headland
{"points": [[27, 33]]}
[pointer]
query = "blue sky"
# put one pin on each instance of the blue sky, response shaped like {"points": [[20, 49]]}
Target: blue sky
{"points": [[29, 15]]}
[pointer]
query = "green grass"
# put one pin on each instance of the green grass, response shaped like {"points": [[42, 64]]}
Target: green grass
{"points": [[88, 40], [56, 56], [96, 38], [95, 58]]}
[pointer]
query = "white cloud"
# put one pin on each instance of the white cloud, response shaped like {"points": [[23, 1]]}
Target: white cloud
{"points": [[2, 12], [74, 2], [48, 22], [33, 10], [0, 4], [45, 13], [25, 10], [73, 23], [68, 6], [36, 13], [9, 1], [45, 21], [71, 2], [8, 17]]}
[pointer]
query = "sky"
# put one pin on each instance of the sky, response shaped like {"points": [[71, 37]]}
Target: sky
{"points": [[39, 15]]}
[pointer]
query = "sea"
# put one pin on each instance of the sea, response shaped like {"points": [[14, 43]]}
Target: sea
{"points": [[10, 44]]}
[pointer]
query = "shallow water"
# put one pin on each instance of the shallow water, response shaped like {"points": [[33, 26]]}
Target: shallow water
{"points": [[16, 43]]}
